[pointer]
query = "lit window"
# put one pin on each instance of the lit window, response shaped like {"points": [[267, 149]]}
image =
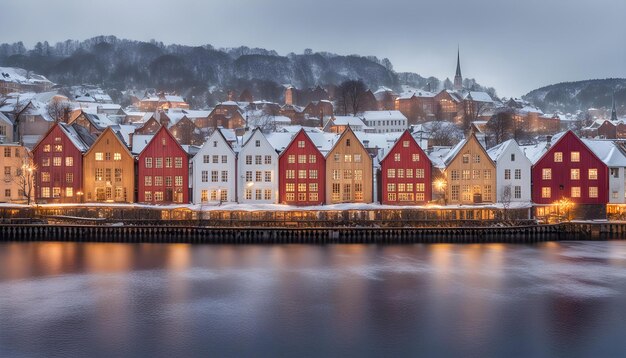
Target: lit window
{"points": [[391, 173], [396, 157], [575, 192], [416, 157], [574, 174], [300, 144], [56, 161], [546, 173], [466, 158], [558, 157], [69, 161], [593, 174], [575, 156], [546, 192], [593, 191], [347, 158], [99, 156], [291, 159]]}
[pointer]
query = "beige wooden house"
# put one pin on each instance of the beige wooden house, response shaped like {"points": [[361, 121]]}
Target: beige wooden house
{"points": [[109, 170], [348, 171], [470, 174]]}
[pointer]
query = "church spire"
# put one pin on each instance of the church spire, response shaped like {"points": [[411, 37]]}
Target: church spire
{"points": [[613, 110], [458, 79]]}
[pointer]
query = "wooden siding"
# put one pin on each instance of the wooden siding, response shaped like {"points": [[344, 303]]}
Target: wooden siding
{"points": [[301, 145], [341, 175], [399, 172], [106, 186], [169, 183]]}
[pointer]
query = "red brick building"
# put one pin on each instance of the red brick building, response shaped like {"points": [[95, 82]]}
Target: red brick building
{"points": [[570, 170], [406, 174], [58, 158], [301, 173], [163, 171]]}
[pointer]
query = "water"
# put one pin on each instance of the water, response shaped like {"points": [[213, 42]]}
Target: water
{"points": [[111, 300]]}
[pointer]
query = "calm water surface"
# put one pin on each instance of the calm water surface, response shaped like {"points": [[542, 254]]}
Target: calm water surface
{"points": [[112, 300]]}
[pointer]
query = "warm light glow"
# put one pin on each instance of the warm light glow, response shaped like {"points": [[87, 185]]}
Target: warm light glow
{"points": [[440, 184]]}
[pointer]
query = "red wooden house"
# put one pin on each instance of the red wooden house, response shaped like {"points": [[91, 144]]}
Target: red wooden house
{"points": [[163, 171], [570, 170], [301, 172], [406, 174], [58, 159]]}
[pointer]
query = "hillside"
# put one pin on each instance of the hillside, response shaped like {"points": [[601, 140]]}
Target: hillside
{"points": [[572, 96]]}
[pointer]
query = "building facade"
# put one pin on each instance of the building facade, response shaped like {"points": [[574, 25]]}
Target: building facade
{"points": [[302, 172], [406, 174], [512, 172], [163, 171], [215, 171], [19, 173], [109, 170], [349, 177], [258, 170]]}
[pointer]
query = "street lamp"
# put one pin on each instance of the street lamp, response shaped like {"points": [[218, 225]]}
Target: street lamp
{"points": [[440, 186]]}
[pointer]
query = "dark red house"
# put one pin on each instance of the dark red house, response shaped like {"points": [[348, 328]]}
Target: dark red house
{"points": [[570, 170], [163, 171], [58, 159], [301, 173], [406, 174]]}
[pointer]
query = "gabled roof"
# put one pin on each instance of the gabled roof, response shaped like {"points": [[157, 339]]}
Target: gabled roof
{"points": [[167, 133], [495, 153], [608, 151], [382, 115], [455, 151], [79, 136], [538, 155], [293, 138], [404, 134], [478, 97], [345, 133], [116, 135]]}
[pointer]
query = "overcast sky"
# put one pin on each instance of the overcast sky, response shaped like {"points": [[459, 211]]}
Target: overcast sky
{"points": [[515, 46]]}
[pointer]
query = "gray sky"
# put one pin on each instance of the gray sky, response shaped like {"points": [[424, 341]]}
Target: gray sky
{"points": [[515, 46]]}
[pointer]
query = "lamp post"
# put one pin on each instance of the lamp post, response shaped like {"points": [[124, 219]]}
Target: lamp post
{"points": [[440, 185]]}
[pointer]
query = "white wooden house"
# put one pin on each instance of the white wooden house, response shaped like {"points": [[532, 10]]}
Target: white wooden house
{"points": [[258, 170], [215, 172], [512, 173], [611, 154]]}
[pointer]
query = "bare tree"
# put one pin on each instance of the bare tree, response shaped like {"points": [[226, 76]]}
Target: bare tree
{"points": [[505, 199], [444, 134], [24, 177], [351, 96], [58, 109], [500, 127]]}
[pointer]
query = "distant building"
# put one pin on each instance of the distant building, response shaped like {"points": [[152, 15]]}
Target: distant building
{"points": [[215, 171], [385, 121], [13, 79], [258, 170]]}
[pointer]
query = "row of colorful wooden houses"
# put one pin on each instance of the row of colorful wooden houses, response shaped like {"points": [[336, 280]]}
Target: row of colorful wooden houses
{"points": [[311, 167]]}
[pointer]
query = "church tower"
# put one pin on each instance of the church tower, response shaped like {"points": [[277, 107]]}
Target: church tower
{"points": [[458, 79], [613, 110]]}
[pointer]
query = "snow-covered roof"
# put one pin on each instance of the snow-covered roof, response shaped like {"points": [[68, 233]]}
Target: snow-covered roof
{"points": [[416, 93], [5, 119], [478, 96], [607, 151], [125, 130], [99, 120], [79, 136], [140, 141], [20, 75], [454, 151], [382, 115], [496, 152], [348, 121], [437, 155], [534, 152]]}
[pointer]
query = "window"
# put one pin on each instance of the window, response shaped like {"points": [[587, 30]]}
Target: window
{"points": [[69, 192], [99, 156], [225, 176], [69, 178], [158, 196], [391, 173], [357, 158], [45, 192], [290, 174], [223, 195], [302, 174], [466, 158], [45, 162], [215, 159], [391, 187], [258, 159], [214, 175], [313, 174], [487, 174], [148, 163], [507, 174], [336, 157], [347, 174], [258, 176], [168, 162], [301, 196], [405, 143], [416, 157], [257, 143], [615, 172], [214, 144], [546, 173], [512, 157], [168, 181], [465, 174], [558, 157], [56, 161], [46, 149], [158, 163], [593, 174], [205, 176], [300, 144], [107, 174], [69, 161], [313, 196], [575, 156], [213, 194], [454, 175], [418, 187], [336, 191], [268, 176], [575, 192], [454, 192], [291, 159], [347, 142], [574, 174], [249, 160], [546, 192], [148, 195], [396, 157], [486, 193], [206, 159], [58, 148], [248, 194], [7, 152], [118, 174], [477, 158], [204, 195], [347, 158], [312, 158], [267, 194], [614, 195], [290, 197], [117, 156], [45, 177], [99, 174], [7, 192], [517, 192], [313, 187], [56, 192], [302, 159], [476, 174], [409, 173], [107, 156], [593, 191], [178, 162], [258, 194], [290, 187], [268, 159], [401, 173], [301, 187], [147, 180], [158, 180], [518, 174]]}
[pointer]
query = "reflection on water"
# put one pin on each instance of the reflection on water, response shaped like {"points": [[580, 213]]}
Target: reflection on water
{"points": [[65, 299]]}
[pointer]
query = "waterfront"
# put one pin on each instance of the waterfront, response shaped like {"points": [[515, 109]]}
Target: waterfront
{"points": [[101, 299]]}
